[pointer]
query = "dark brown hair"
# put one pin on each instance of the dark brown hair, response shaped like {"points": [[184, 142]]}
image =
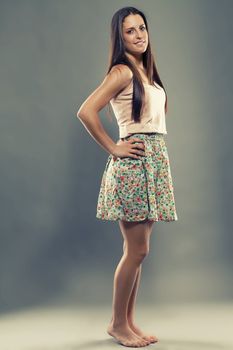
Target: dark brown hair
{"points": [[117, 56]]}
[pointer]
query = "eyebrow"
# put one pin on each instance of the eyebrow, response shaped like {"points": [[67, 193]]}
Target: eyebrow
{"points": [[143, 24]]}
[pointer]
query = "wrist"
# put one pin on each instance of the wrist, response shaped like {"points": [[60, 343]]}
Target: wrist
{"points": [[112, 150]]}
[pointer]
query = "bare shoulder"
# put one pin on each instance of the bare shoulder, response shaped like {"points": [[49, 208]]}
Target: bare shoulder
{"points": [[117, 79], [122, 72]]}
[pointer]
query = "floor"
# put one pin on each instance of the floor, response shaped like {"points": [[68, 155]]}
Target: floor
{"points": [[73, 327]]}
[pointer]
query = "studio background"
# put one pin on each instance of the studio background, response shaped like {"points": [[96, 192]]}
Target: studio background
{"points": [[52, 247]]}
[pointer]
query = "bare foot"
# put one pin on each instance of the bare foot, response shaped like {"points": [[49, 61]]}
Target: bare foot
{"points": [[126, 336], [135, 329]]}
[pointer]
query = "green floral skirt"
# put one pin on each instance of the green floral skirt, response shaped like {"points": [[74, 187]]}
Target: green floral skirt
{"points": [[138, 189]]}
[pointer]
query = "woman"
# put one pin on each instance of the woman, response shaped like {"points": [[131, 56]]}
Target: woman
{"points": [[136, 187]]}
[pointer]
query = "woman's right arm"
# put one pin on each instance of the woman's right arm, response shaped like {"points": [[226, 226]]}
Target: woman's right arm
{"points": [[117, 79]]}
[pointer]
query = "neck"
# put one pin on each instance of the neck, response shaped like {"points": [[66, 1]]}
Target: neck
{"points": [[137, 60]]}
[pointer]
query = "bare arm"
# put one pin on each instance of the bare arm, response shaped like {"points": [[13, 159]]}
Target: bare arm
{"points": [[97, 131], [117, 79]]}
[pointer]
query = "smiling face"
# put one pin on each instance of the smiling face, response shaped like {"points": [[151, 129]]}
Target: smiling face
{"points": [[135, 35]]}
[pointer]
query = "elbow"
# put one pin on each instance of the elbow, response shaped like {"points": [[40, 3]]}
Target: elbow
{"points": [[81, 114]]}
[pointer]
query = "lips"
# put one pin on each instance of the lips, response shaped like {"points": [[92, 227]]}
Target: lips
{"points": [[140, 42]]}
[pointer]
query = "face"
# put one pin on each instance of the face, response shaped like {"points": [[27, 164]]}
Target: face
{"points": [[135, 35]]}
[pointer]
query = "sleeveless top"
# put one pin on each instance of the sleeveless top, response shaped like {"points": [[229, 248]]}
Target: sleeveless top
{"points": [[152, 115]]}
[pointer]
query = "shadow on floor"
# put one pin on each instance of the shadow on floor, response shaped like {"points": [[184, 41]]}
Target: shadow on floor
{"points": [[162, 345]]}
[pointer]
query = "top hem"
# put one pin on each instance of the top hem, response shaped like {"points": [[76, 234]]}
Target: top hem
{"points": [[123, 134]]}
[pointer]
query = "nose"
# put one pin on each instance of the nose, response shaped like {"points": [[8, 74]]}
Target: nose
{"points": [[139, 35]]}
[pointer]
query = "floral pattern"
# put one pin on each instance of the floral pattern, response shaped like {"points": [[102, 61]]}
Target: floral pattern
{"points": [[135, 189]]}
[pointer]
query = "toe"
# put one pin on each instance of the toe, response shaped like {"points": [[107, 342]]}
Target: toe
{"points": [[153, 339], [142, 342], [147, 339]]}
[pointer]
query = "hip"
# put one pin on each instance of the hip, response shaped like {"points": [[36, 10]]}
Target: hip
{"points": [[155, 155]]}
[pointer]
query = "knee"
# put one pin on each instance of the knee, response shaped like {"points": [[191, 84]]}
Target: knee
{"points": [[141, 253], [144, 252]]}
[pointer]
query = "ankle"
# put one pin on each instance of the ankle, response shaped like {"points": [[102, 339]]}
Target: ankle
{"points": [[130, 322], [116, 324]]}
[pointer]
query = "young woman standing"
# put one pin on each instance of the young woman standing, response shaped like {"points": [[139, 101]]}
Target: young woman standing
{"points": [[136, 187]]}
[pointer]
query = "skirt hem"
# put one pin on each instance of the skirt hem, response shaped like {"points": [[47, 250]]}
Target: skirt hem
{"points": [[135, 219]]}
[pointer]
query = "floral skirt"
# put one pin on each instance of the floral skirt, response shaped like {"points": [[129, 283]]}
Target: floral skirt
{"points": [[138, 189]]}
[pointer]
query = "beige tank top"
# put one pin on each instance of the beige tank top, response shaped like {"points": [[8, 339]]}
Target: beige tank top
{"points": [[152, 115]]}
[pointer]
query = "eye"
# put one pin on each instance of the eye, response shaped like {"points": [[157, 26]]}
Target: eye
{"points": [[130, 31]]}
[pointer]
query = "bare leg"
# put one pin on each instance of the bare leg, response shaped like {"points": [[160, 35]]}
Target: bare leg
{"points": [[132, 301], [131, 311], [136, 235]]}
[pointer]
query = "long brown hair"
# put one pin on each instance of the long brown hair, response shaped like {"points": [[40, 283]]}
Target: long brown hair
{"points": [[117, 56]]}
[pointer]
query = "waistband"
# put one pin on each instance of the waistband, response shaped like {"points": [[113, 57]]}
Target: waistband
{"points": [[144, 135]]}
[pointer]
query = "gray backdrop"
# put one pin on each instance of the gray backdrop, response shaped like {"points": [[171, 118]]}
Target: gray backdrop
{"points": [[54, 53]]}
